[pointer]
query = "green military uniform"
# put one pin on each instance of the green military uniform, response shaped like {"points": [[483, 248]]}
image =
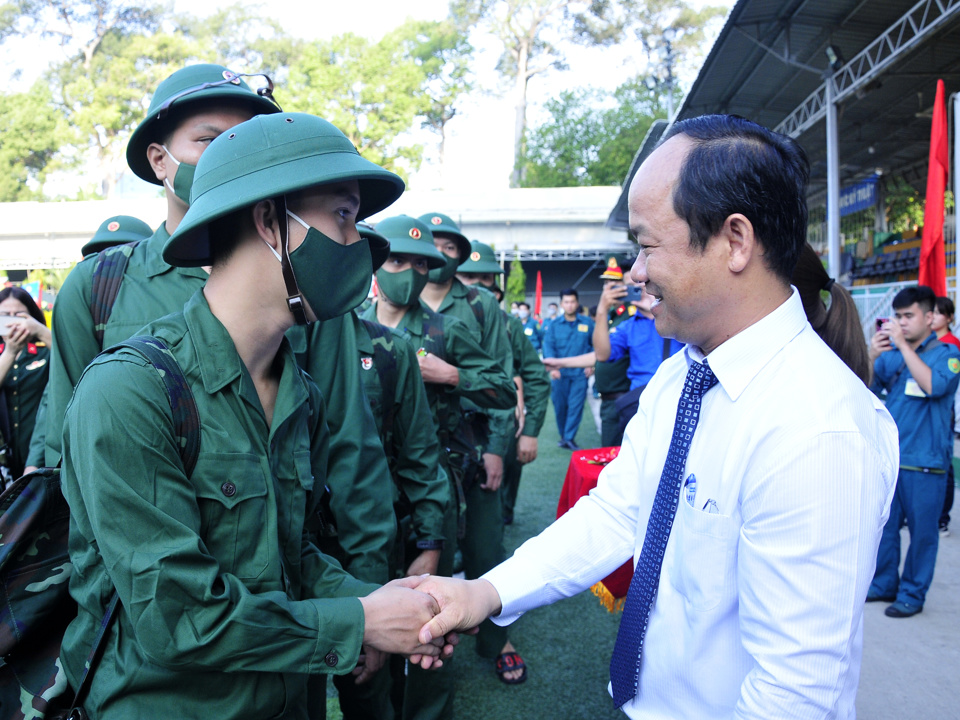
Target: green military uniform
{"points": [[225, 607], [610, 378], [536, 396], [150, 289], [361, 489], [429, 693], [398, 400]]}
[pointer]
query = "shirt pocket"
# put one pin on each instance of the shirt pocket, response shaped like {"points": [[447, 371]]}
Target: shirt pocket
{"points": [[234, 523], [703, 559]]}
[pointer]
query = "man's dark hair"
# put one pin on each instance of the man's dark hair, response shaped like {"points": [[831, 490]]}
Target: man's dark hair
{"points": [[737, 166], [946, 307], [568, 291], [921, 295], [524, 305]]}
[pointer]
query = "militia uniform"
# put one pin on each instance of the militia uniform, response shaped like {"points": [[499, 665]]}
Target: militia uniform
{"points": [[567, 338], [231, 612]]}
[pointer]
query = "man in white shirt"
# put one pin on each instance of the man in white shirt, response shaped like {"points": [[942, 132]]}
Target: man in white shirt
{"points": [[758, 604]]}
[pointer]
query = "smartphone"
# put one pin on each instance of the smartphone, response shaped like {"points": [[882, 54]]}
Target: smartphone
{"points": [[880, 322], [6, 321], [634, 292]]}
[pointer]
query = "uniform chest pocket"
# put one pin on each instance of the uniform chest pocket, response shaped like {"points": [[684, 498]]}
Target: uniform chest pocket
{"points": [[702, 566], [234, 522]]}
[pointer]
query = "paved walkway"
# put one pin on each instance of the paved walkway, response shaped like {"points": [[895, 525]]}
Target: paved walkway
{"points": [[911, 666]]}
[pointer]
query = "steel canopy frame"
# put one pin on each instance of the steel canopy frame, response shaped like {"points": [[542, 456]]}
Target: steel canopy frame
{"points": [[913, 28]]}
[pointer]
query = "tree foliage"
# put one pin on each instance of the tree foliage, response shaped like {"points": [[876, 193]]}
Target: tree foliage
{"points": [[28, 141], [590, 137], [516, 289]]}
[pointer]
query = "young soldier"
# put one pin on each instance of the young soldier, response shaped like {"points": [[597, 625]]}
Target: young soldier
{"points": [[483, 543], [189, 109], [226, 608], [454, 366], [532, 380]]}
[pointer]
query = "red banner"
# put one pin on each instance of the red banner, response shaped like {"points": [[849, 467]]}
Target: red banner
{"points": [[933, 266]]}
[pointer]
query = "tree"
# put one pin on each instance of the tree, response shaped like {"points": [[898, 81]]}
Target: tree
{"points": [[441, 48], [372, 91], [529, 31], [28, 140], [590, 137], [516, 289]]}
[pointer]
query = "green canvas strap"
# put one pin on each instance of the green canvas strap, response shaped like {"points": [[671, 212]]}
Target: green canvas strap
{"points": [[108, 270], [186, 423]]}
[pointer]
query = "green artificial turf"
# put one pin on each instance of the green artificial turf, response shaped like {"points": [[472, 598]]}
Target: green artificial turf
{"points": [[566, 646]]}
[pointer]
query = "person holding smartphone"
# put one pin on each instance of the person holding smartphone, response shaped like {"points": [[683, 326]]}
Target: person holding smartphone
{"points": [[24, 368]]}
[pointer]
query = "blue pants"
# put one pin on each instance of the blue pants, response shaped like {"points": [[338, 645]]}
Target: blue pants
{"points": [[919, 499], [569, 393]]}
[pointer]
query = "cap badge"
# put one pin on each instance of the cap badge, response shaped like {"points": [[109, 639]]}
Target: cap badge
{"points": [[475, 256], [231, 76], [415, 233], [366, 363], [114, 226], [611, 262], [436, 220]]}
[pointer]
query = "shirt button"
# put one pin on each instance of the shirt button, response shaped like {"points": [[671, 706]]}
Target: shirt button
{"points": [[331, 659], [228, 489]]}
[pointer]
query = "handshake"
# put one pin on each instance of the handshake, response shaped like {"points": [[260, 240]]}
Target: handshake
{"points": [[420, 617]]}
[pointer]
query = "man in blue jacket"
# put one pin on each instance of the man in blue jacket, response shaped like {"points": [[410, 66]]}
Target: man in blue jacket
{"points": [[568, 335], [920, 377]]}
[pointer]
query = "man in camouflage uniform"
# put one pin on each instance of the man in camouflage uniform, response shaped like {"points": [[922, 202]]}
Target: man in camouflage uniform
{"points": [[532, 379], [454, 366]]}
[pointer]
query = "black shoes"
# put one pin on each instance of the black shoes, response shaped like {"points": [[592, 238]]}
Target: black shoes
{"points": [[568, 444], [903, 610]]}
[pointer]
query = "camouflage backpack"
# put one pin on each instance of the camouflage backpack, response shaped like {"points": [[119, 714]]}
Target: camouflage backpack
{"points": [[35, 604]]}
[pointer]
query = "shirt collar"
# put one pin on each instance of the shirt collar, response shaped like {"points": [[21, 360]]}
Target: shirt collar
{"points": [[740, 359], [217, 356], [153, 262]]}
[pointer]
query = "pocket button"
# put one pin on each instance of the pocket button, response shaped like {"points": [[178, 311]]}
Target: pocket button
{"points": [[228, 489]]}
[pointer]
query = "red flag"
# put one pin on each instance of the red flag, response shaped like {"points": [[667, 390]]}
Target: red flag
{"points": [[538, 297], [933, 265]]}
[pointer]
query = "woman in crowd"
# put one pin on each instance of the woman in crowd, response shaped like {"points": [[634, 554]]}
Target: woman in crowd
{"points": [[23, 372]]}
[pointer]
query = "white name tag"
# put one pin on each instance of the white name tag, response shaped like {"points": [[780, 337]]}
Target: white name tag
{"points": [[913, 389]]}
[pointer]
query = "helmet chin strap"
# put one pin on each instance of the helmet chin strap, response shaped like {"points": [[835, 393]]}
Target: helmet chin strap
{"points": [[295, 301]]}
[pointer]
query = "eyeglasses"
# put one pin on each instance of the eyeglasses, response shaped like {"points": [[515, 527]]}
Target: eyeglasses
{"points": [[229, 78]]}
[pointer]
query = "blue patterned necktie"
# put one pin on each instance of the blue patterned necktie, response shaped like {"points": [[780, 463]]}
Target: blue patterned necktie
{"points": [[628, 651]]}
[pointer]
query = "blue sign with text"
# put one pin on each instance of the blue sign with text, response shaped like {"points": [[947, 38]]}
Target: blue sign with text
{"points": [[858, 197]]}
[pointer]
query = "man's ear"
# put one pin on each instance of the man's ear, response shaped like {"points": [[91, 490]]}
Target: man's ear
{"points": [[157, 157], [266, 223], [741, 243]]}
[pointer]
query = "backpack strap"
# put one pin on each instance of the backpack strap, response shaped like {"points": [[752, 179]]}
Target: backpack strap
{"points": [[386, 364], [186, 423], [473, 297], [433, 329], [108, 270]]}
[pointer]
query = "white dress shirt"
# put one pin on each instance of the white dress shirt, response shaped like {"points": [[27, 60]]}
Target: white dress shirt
{"points": [[760, 605]]}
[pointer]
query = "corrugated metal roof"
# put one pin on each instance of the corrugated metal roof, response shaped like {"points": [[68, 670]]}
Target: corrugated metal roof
{"points": [[886, 126]]}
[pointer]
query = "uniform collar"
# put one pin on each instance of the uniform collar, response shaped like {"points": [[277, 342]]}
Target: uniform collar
{"points": [[153, 263], [741, 358], [217, 356], [30, 348]]}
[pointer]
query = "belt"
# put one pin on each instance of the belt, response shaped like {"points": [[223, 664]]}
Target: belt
{"points": [[611, 396]]}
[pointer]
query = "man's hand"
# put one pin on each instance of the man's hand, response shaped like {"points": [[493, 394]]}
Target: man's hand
{"points": [[424, 564], [880, 342], [526, 449], [551, 363], [393, 616], [493, 464], [588, 371], [371, 660], [555, 374], [435, 370], [612, 295], [464, 604]]}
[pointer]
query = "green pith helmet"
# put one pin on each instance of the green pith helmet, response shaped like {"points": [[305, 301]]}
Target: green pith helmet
{"points": [[379, 245], [266, 157], [189, 85], [117, 230], [612, 271], [441, 224], [410, 236], [482, 260]]}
